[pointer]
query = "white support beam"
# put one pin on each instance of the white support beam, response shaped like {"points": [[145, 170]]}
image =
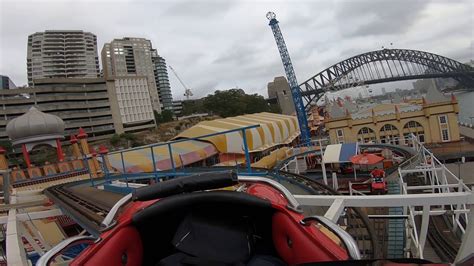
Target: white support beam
{"points": [[334, 212], [33, 215], [421, 170], [465, 255], [432, 186], [452, 198], [15, 251], [441, 212], [30, 238], [425, 218]]}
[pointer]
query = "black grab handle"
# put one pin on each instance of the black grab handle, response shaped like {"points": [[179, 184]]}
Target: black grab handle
{"points": [[201, 181]]}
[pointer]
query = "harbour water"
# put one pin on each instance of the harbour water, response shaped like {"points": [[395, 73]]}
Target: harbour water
{"points": [[466, 106]]}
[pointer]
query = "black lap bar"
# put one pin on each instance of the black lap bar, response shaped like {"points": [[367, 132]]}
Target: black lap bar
{"points": [[197, 182]]}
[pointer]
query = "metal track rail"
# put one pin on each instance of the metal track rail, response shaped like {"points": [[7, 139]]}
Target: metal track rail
{"points": [[441, 238], [85, 212], [443, 243]]}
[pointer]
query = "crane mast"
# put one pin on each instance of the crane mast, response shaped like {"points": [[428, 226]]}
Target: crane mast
{"points": [[290, 75]]}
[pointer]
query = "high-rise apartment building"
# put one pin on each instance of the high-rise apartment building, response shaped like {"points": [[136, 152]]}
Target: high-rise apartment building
{"points": [[162, 82], [130, 104], [62, 54], [6, 83], [129, 57]]}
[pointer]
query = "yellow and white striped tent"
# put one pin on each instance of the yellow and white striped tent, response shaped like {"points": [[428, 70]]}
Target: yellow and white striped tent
{"points": [[274, 129]]}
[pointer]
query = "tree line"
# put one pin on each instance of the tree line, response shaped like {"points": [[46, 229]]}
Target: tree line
{"points": [[231, 102]]}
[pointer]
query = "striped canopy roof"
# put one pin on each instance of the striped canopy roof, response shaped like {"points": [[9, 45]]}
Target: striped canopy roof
{"points": [[141, 160], [274, 129]]}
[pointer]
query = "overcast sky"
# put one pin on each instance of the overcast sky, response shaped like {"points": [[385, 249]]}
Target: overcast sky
{"points": [[224, 44]]}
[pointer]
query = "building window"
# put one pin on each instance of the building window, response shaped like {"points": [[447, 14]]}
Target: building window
{"points": [[445, 134], [415, 128], [366, 135], [389, 134], [340, 136], [442, 119], [444, 127]]}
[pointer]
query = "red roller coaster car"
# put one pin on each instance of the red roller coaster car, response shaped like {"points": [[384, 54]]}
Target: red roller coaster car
{"points": [[194, 221]]}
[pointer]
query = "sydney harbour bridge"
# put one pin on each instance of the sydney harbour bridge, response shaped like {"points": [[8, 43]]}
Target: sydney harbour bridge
{"points": [[385, 65]]}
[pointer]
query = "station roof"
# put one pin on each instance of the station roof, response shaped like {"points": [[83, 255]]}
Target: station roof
{"points": [[274, 129], [141, 160]]}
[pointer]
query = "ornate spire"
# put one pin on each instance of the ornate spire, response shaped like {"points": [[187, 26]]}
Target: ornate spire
{"points": [[453, 98], [82, 134], [73, 139], [103, 149]]}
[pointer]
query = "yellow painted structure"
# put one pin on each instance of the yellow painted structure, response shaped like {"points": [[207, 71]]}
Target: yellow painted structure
{"points": [[275, 129], [431, 122]]}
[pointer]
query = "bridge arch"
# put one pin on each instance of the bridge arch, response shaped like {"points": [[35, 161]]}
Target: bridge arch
{"points": [[384, 66]]}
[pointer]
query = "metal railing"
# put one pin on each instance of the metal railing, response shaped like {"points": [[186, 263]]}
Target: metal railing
{"points": [[435, 175], [174, 170]]}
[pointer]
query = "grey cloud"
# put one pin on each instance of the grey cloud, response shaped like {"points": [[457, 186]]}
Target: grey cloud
{"points": [[223, 44], [199, 9], [379, 17]]}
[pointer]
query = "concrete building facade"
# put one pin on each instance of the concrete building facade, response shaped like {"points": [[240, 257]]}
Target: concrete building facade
{"points": [[62, 54], [130, 57], [177, 107], [80, 102], [130, 102], [280, 90], [162, 82]]}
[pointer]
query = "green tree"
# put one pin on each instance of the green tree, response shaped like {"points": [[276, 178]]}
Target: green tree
{"points": [[128, 136], [167, 116], [235, 102], [274, 108], [193, 107], [158, 117], [115, 140]]}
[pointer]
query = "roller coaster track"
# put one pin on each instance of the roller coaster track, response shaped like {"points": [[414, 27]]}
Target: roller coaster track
{"points": [[83, 210], [445, 243], [89, 213]]}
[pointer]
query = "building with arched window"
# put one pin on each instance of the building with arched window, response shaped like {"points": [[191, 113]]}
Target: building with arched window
{"points": [[432, 121]]}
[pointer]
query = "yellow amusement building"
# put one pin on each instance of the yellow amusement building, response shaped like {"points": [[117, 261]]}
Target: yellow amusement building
{"points": [[433, 120]]}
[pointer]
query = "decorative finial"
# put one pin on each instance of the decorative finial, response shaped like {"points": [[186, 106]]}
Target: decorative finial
{"points": [[82, 133], [103, 149], [271, 15]]}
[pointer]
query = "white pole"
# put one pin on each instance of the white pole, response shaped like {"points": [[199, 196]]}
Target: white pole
{"points": [[355, 174], [323, 164]]}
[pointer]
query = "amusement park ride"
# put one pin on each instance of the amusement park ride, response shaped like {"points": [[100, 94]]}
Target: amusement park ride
{"points": [[245, 215]]}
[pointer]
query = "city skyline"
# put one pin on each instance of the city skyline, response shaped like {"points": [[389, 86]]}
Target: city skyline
{"points": [[239, 50]]}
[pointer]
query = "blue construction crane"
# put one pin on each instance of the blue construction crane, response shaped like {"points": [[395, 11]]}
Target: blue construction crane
{"points": [[290, 75]]}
